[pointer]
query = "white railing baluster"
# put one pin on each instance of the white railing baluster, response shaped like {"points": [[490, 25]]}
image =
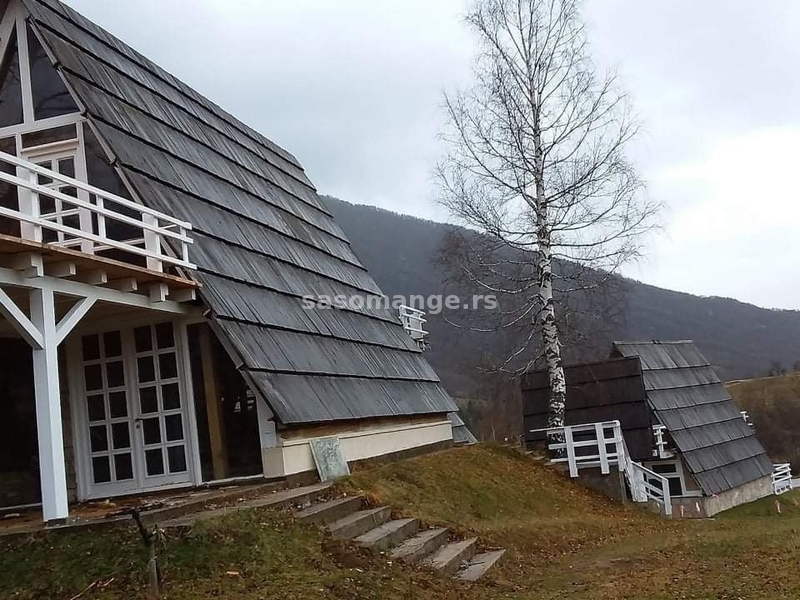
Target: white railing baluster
{"points": [[152, 243], [29, 205], [570, 448], [600, 434]]}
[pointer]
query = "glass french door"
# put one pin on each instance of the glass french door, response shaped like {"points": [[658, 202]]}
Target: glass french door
{"points": [[134, 411]]}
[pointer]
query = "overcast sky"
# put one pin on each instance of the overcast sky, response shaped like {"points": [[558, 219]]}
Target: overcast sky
{"points": [[354, 88]]}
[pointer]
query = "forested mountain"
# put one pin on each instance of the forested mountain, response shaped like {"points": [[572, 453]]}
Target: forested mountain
{"points": [[400, 252]]}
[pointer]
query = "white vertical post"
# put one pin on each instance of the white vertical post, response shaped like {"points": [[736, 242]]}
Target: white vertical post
{"points": [[152, 243], [573, 466], [600, 434], [619, 440], [29, 205], [52, 469]]}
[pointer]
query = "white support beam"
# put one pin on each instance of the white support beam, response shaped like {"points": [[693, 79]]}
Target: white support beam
{"points": [[126, 285], [185, 295], [95, 277], [62, 269], [49, 428], [72, 318], [78, 289], [159, 292], [18, 319], [29, 264]]}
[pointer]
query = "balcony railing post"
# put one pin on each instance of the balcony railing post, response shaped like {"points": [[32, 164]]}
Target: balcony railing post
{"points": [[152, 243], [29, 205]]}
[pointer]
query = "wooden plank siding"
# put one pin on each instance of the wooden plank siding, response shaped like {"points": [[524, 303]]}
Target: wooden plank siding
{"points": [[596, 392]]}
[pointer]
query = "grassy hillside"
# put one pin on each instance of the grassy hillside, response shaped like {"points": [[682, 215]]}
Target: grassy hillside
{"points": [[563, 541], [774, 407]]}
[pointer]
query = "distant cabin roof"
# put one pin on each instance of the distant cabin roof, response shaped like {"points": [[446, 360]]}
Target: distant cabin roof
{"points": [[688, 398], [263, 237]]}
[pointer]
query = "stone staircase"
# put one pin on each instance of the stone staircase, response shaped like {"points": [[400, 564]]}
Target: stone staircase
{"points": [[401, 539]]}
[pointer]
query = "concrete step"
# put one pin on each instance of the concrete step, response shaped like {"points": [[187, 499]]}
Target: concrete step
{"points": [[328, 512], [477, 567], [358, 523], [389, 534], [421, 545], [276, 500], [448, 558]]}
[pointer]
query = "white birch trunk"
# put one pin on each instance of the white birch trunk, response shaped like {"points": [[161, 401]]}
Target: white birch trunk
{"points": [[550, 341]]}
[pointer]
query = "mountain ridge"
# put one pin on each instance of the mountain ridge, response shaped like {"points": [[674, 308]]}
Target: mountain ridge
{"points": [[741, 339]]}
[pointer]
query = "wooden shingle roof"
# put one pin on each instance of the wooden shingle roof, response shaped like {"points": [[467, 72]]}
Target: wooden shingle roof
{"points": [[688, 398], [263, 237]]}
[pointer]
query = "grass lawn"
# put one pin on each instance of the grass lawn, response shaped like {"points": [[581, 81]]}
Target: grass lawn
{"points": [[563, 541]]}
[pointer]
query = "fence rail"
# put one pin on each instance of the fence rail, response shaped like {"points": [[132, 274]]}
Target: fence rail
{"points": [[89, 219], [781, 478]]}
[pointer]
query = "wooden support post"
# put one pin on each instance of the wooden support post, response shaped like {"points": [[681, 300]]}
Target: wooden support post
{"points": [[600, 434], [570, 447], [49, 428], [216, 423]]}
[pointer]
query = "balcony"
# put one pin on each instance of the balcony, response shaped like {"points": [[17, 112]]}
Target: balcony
{"points": [[413, 321], [67, 228]]}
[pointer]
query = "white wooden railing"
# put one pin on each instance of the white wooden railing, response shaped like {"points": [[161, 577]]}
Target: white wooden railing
{"points": [[602, 445], [781, 478], [413, 320], [96, 211], [660, 451]]}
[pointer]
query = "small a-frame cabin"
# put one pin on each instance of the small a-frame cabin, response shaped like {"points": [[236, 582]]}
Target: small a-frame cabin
{"points": [[159, 262]]}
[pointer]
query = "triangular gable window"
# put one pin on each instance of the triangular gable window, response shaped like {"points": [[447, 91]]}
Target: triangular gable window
{"points": [[50, 95], [10, 85]]}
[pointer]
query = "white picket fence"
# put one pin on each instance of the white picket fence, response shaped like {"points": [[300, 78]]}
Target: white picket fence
{"points": [[781, 478], [593, 445]]}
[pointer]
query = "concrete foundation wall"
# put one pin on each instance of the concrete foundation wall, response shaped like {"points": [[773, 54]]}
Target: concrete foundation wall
{"points": [[358, 440], [760, 488]]}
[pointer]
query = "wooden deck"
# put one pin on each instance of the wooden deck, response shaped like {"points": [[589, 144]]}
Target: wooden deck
{"points": [[80, 266]]}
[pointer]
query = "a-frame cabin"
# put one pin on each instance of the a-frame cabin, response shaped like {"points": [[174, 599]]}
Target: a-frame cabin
{"points": [[159, 265]]}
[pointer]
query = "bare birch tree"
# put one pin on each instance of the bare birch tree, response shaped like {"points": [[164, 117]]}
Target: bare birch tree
{"points": [[536, 163]]}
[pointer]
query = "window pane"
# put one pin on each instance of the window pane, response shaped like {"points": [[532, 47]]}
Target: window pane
{"points": [[170, 396], [675, 488], [154, 460], [151, 431], [112, 344], [91, 347], [176, 456], [101, 469], [10, 88], [98, 438], [120, 435], [164, 336], [47, 205], [167, 366], [115, 374], [66, 166], [96, 408], [143, 339], [50, 95], [173, 428], [147, 371], [123, 466], [118, 404], [148, 400], [94, 377]]}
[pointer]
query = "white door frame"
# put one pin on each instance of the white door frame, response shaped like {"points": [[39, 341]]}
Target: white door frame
{"points": [[86, 490]]}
